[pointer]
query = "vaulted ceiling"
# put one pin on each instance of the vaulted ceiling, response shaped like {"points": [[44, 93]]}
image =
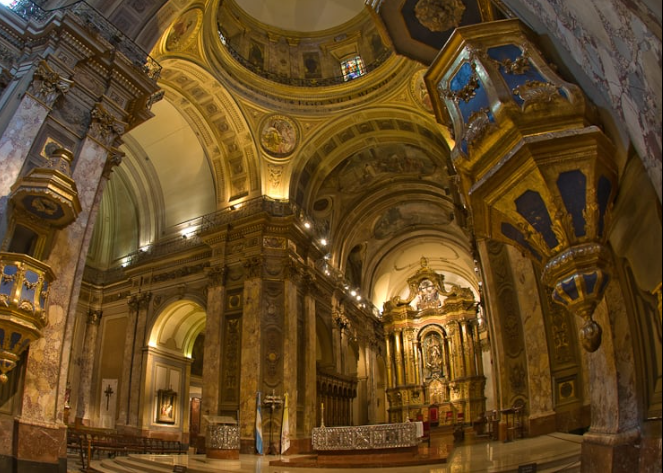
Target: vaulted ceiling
{"points": [[368, 159]]}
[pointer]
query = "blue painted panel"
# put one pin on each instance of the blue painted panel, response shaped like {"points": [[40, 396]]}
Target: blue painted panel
{"points": [[514, 234], [512, 52], [590, 281], [557, 298], [15, 337], [6, 286], [603, 192], [532, 208], [476, 103], [2, 338], [28, 293], [570, 289], [572, 187]]}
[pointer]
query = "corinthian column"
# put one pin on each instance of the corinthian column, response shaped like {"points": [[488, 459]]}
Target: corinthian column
{"points": [[83, 408]]}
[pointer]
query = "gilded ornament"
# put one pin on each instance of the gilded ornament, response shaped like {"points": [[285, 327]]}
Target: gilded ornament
{"points": [[468, 91], [517, 67], [477, 125], [439, 15], [535, 91]]}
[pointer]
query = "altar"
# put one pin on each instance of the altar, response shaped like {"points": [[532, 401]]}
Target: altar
{"points": [[368, 443], [222, 440]]}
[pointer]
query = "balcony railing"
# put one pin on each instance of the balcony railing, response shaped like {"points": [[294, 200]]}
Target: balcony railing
{"points": [[92, 20]]}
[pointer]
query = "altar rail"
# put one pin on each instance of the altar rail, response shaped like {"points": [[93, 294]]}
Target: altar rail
{"points": [[367, 437]]}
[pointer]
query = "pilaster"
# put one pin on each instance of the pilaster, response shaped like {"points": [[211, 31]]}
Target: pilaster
{"points": [[83, 406]]}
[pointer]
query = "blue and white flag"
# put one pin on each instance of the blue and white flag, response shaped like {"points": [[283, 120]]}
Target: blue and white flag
{"points": [[258, 425]]}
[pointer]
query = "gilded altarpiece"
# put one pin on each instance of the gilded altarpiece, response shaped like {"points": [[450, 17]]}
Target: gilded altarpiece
{"points": [[433, 351]]}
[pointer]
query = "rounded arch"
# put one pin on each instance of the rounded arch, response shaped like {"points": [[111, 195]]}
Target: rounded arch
{"points": [[353, 132], [177, 326], [220, 125]]}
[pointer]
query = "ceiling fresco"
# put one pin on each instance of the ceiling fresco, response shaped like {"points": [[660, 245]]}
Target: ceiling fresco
{"points": [[372, 166], [407, 216]]}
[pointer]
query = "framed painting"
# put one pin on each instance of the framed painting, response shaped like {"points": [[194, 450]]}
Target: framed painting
{"points": [[166, 406]]}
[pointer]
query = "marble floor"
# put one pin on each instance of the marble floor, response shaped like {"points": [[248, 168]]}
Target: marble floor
{"points": [[557, 452]]}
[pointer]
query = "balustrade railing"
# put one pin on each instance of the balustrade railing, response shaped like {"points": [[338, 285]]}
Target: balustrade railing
{"points": [[92, 20]]}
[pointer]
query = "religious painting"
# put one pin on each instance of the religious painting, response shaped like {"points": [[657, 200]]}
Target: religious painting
{"points": [[278, 135], [183, 30], [312, 66], [372, 166], [257, 54], [409, 215], [166, 406]]}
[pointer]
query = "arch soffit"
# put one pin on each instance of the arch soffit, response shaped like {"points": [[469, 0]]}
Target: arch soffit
{"points": [[142, 181], [219, 123], [348, 134], [176, 327]]}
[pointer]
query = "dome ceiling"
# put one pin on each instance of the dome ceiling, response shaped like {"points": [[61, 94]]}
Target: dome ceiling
{"points": [[302, 15]]}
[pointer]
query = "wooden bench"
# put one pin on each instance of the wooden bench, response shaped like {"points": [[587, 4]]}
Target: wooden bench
{"points": [[91, 442]]}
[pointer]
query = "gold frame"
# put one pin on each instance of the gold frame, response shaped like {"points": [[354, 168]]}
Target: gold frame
{"points": [[166, 406]]}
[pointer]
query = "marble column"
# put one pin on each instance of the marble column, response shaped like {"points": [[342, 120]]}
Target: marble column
{"points": [[83, 406], [131, 389], [136, 401], [290, 351], [213, 351], [251, 363], [310, 347], [45, 379], [613, 441], [37, 91]]}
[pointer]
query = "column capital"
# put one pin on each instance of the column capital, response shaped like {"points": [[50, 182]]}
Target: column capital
{"points": [[48, 85], [216, 275]]}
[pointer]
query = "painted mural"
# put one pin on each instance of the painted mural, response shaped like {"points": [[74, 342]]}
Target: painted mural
{"points": [[367, 167], [401, 217]]}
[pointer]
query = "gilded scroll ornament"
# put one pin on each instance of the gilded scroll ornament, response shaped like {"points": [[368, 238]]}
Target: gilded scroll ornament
{"points": [[517, 67], [439, 15], [477, 125], [468, 91], [535, 91]]}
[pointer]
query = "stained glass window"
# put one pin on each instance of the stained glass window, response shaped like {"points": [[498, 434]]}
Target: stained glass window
{"points": [[353, 68]]}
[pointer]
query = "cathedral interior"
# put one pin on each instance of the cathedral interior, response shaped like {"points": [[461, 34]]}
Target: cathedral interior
{"points": [[386, 209]]}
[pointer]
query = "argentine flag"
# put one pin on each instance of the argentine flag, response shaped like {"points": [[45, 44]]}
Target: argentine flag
{"points": [[258, 425]]}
